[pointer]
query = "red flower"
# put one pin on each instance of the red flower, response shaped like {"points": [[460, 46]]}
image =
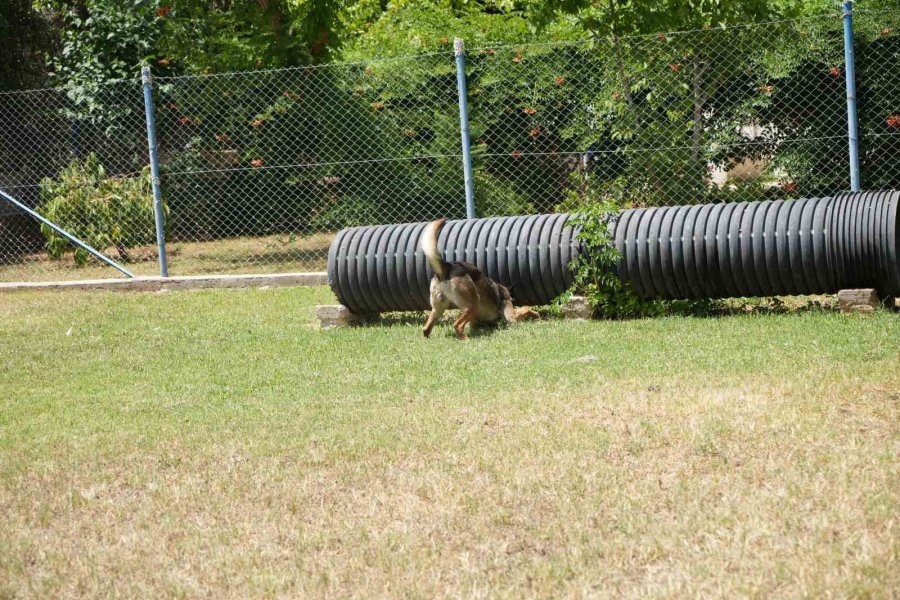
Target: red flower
{"points": [[834, 71], [163, 11], [893, 120], [184, 120], [257, 162], [535, 132], [674, 67], [789, 186]]}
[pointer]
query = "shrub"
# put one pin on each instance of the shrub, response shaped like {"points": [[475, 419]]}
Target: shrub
{"points": [[595, 275], [100, 210]]}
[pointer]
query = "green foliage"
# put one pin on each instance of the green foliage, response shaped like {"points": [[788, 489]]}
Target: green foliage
{"points": [[99, 210], [595, 271]]}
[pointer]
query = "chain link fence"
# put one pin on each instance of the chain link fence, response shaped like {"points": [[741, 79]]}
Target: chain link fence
{"points": [[260, 169]]}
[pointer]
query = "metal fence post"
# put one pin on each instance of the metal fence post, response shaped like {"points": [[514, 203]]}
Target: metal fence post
{"points": [[459, 49], [850, 72], [147, 81]]}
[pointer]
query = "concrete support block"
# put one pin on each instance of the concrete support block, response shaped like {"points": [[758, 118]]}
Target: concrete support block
{"points": [[338, 315], [577, 307], [863, 300]]}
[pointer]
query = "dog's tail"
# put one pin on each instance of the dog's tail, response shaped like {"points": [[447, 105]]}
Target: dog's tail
{"points": [[429, 244]]}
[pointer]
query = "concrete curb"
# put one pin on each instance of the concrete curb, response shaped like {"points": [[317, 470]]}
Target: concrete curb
{"points": [[187, 282]]}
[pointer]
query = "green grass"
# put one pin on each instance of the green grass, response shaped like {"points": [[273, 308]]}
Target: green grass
{"points": [[218, 444]]}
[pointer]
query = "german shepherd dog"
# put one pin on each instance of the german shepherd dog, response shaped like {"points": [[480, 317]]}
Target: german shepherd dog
{"points": [[461, 285]]}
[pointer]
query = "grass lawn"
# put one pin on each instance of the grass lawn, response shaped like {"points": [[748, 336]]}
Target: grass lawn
{"points": [[216, 444], [269, 254]]}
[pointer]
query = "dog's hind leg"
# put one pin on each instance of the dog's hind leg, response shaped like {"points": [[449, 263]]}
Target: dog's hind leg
{"points": [[465, 317]]}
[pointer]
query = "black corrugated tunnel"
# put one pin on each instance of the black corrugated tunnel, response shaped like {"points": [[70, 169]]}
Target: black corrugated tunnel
{"points": [[381, 268], [780, 247]]}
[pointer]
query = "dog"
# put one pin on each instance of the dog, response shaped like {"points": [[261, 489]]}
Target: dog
{"points": [[462, 285]]}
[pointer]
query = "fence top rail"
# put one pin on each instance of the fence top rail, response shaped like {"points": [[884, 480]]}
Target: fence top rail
{"points": [[63, 89]]}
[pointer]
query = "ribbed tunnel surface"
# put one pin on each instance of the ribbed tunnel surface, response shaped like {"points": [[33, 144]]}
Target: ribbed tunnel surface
{"points": [[381, 268], [780, 247]]}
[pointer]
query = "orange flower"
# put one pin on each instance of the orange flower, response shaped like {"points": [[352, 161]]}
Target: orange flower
{"points": [[184, 121], [558, 80], [222, 137], [490, 51], [257, 162], [517, 58], [164, 61], [535, 132], [517, 153], [834, 71], [378, 105], [789, 186], [256, 122], [674, 67], [443, 41], [163, 11], [766, 89], [893, 120], [528, 110], [885, 31]]}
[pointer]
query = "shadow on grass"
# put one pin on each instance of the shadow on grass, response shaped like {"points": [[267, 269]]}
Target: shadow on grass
{"points": [[418, 318]]}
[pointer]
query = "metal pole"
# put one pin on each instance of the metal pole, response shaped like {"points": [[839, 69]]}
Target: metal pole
{"points": [[147, 81], [459, 49], [850, 71], [67, 235]]}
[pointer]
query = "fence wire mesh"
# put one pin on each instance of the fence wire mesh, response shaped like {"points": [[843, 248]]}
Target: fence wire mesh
{"points": [[76, 156], [260, 169]]}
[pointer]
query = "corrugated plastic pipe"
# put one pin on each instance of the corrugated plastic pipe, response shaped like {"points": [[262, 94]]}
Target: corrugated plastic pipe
{"points": [[818, 245], [780, 247], [381, 268]]}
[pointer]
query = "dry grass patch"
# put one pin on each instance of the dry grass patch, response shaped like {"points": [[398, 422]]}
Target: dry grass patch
{"points": [[267, 254]]}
